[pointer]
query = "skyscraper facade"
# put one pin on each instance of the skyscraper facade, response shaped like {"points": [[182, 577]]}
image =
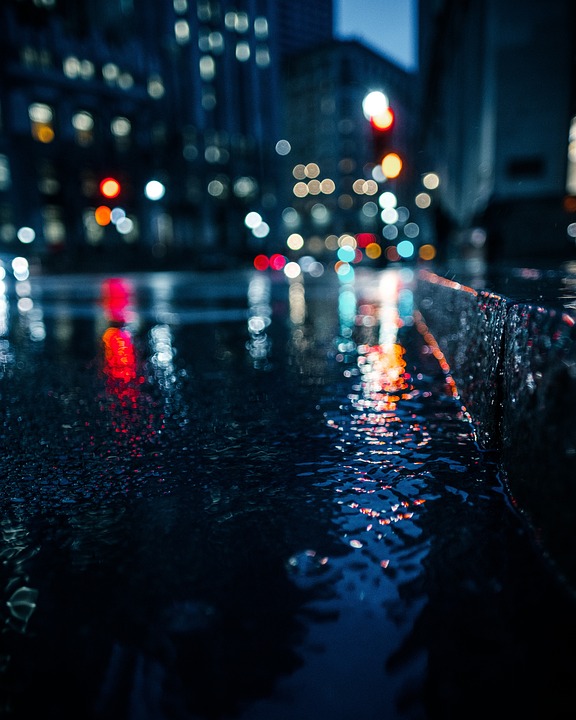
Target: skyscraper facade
{"points": [[176, 100]]}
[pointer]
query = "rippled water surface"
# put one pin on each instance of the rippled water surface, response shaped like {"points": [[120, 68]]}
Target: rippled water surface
{"points": [[241, 496]]}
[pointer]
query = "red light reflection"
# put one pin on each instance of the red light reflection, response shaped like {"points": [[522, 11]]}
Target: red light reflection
{"points": [[119, 357], [117, 299]]}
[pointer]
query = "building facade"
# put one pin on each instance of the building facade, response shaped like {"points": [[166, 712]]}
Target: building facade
{"points": [[182, 94], [332, 172], [498, 125]]}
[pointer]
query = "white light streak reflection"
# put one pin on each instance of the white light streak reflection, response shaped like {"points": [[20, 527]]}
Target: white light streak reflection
{"points": [[259, 318]]}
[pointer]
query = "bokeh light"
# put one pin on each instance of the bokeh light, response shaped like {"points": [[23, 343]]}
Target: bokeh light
{"points": [[261, 262], [102, 215], [374, 104], [405, 249], [277, 261], [391, 165], [154, 190], [427, 252], [110, 188]]}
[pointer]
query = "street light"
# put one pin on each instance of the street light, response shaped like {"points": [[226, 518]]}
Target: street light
{"points": [[374, 104], [154, 190]]}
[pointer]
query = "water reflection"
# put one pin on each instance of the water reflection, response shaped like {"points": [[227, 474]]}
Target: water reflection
{"points": [[199, 538], [260, 312]]}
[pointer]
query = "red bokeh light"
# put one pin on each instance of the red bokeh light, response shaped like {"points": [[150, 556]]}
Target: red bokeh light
{"points": [[277, 261], [110, 188], [261, 262], [364, 239], [383, 121]]}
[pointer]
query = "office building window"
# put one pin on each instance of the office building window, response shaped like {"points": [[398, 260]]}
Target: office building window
{"points": [[155, 87], [207, 68], [83, 124], [182, 32], [5, 179], [41, 122], [121, 127], [242, 51], [261, 28]]}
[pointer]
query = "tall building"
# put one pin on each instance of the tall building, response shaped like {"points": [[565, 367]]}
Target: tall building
{"points": [[303, 24], [180, 93], [333, 173], [498, 111]]}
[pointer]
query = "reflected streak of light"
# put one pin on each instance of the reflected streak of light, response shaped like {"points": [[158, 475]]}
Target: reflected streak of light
{"points": [[259, 319], [390, 440], [162, 359], [119, 357], [117, 300], [4, 315], [432, 344], [15, 552], [297, 303]]}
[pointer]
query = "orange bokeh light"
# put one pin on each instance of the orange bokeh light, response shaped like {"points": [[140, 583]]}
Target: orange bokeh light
{"points": [[391, 165], [102, 215]]}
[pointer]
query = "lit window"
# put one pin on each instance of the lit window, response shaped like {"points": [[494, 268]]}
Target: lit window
{"points": [[216, 188], [261, 28], [181, 32], [208, 99], [207, 68], [125, 81], [93, 231], [48, 183], [5, 180], [41, 121], [54, 230], [155, 87], [86, 69], [71, 67], [212, 154], [204, 11], [121, 127], [262, 57], [242, 51], [110, 72], [28, 55], [245, 187], [180, 6], [230, 20], [216, 42], [203, 41], [241, 24], [83, 124]]}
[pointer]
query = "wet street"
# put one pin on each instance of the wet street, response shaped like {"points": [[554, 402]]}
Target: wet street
{"points": [[243, 496]]}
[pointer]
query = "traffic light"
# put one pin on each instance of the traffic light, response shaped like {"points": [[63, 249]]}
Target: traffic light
{"points": [[382, 136], [391, 165], [110, 188]]}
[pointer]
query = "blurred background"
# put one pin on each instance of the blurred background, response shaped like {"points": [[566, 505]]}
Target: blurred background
{"points": [[211, 134]]}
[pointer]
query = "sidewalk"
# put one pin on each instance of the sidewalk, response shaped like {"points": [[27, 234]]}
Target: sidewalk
{"points": [[509, 336]]}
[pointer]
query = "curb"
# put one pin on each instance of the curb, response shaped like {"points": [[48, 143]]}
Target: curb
{"points": [[514, 364]]}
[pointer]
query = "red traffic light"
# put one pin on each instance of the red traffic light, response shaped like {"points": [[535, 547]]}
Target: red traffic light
{"points": [[383, 120], [110, 187]]}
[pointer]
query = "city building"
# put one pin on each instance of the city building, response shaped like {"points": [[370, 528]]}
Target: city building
{"points": [[302, 24], [175, 101], [498, 126], [333, 172]]}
